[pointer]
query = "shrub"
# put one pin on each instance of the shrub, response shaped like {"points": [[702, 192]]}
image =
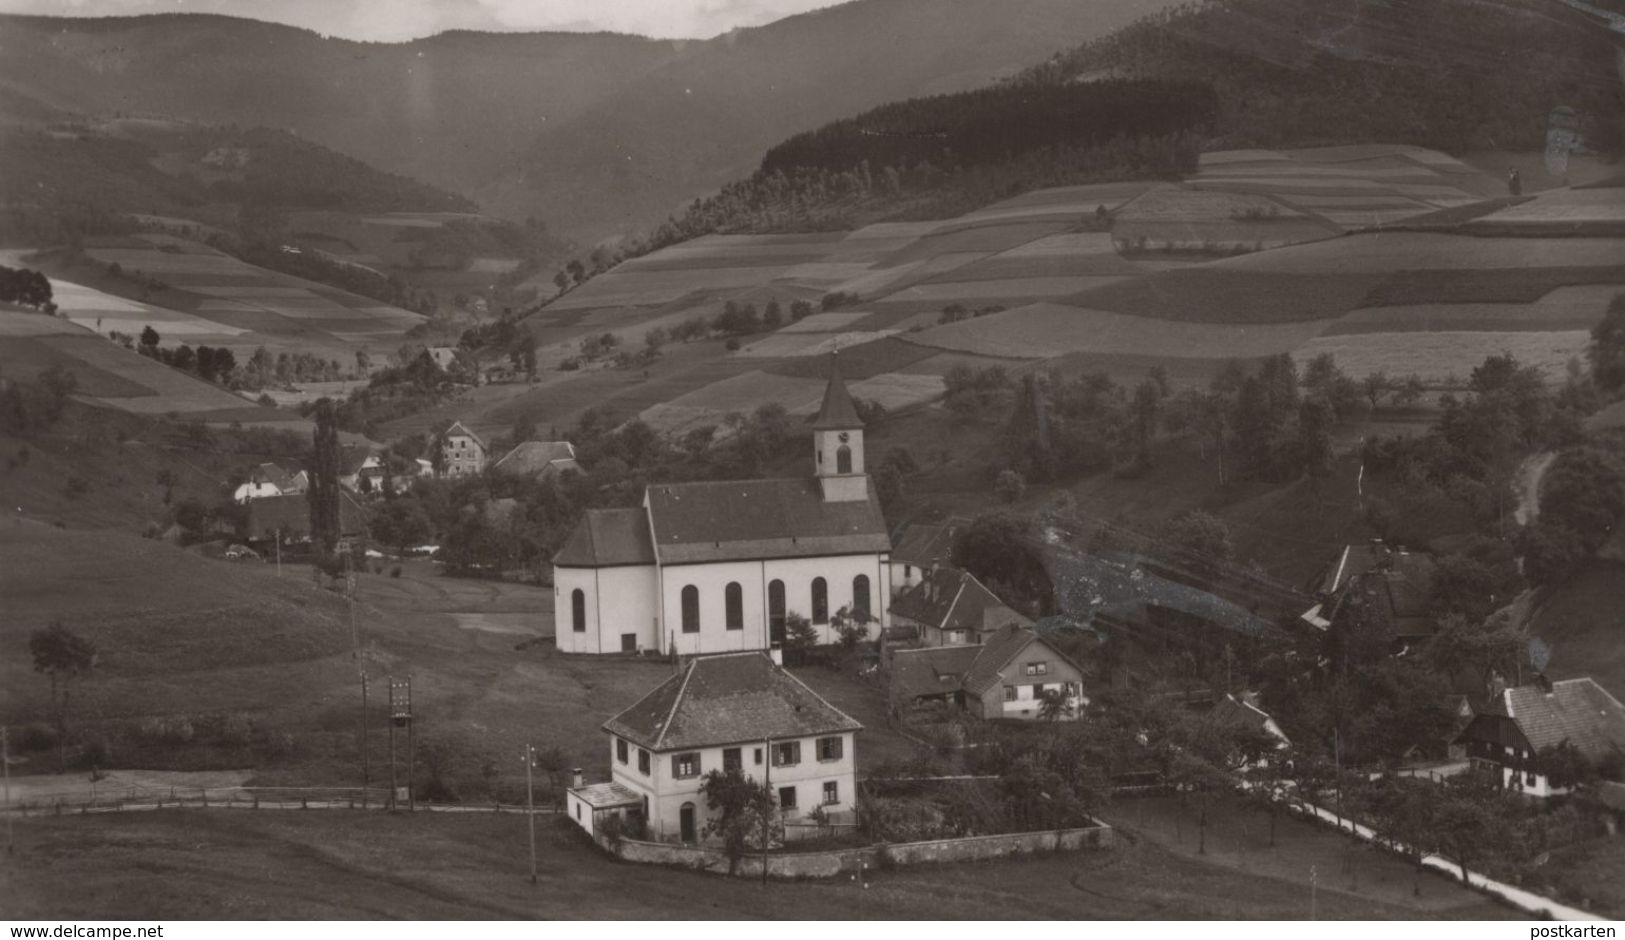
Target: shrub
{"points": [[1010, 486], [732, 345], [35, 736], [395, 572]]}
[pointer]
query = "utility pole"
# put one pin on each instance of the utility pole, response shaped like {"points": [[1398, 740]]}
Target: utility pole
{"points": [[5, 758], [393, 789], [767, 773], [411, 752], [279, 551], [366, 762], [530, 806], [1312, 875]]}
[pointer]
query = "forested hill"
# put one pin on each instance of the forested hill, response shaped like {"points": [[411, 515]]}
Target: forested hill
{"points": [[941, 156], [1456, 75]]}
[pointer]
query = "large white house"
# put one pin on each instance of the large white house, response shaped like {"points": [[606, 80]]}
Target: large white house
{"points": [[713, 567], [735, 711]]}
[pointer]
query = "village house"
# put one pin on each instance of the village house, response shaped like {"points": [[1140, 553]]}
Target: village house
{"points": [[445, 357], [288, 518], [711, 567], [463, 451], [1505, 740], [269, 479], [367, 475], [1242, 713], [1005, 677], [920, 548], [537, 460], [730, 711], [949, 607], [1388, 587]]}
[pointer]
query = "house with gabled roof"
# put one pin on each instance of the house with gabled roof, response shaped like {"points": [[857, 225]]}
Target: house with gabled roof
{"points": [[1007, 676], [729, 711], [270, 479], [1388, 585], [719, 566], [462, 451], [920, 547], [1505, 740], [537, 460], [949, 607]]}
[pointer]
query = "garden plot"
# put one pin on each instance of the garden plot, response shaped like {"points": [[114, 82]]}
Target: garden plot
{"points": [[1003, 289], [812, 344], [1040, 331], [1398, 251], [1432, 318], [824, 323], [1438, 357], [1571, 207], [899, 390], [882, 280], [741, 394], [655, 288], [986, 239], [1217, 293], [1242, 235]]}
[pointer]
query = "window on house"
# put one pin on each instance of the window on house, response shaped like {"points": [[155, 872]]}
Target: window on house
{"points": [[1038, 690], [1038, 669], [691, 609], [620, 749], [860, 596], [734, 597], [787, 797], [1009, 693], [578, 610], [1530, 778], [685, 765], [731, 759], [758, 757], [787, 754], [643, 761], [820, 601], [829, 748], [908, 572], [832, 792]]}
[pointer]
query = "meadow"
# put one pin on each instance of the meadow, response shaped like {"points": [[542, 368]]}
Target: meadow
{"points": [[183, 864]]}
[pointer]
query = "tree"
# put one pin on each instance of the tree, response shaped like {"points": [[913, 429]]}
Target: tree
{"points": [[742, 812], [1375, 386], [551, 761], [1056, 705], [149, 337], [62, 656], [402, 523], [798, 632], [324, 479], [1607, 348], [1010, 486], [1202, 534]]}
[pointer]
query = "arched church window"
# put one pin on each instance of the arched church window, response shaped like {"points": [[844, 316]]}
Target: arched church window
{"points": [[820, 601], [578, 610], [860, 595], [691, 609], [843, 459], [734, 601]]}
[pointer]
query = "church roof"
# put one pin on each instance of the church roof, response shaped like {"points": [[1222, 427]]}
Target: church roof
{"points": [[739, 520], [728, 699], [837, 413], [608, 537]]}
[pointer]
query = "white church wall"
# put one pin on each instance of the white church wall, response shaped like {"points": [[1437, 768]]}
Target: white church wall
{"points": [[619, 600]]}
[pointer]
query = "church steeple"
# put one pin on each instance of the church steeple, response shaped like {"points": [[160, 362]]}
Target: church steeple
{"points": [[838, 441]]}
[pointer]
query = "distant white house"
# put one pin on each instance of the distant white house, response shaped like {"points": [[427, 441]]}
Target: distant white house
{"points": [[729, 711], [269, 479], [1505, 740], [463, 451], [719, 566]]}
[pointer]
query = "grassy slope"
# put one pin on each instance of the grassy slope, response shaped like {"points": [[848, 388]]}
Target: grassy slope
{"points": [[214, 864]]}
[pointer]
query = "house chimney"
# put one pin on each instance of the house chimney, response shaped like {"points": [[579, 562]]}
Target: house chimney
{"points": [[1544, 682], [575, 778]]}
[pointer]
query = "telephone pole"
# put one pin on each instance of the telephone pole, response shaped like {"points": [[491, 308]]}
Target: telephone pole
{"points": [[530, 806], [5, 758], [366, 760]]}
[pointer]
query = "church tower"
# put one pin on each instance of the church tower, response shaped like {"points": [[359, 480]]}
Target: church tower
{"points": [[838, 442]]}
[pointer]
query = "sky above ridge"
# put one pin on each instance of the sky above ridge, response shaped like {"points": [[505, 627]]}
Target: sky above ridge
{"points": [[395, 20]]}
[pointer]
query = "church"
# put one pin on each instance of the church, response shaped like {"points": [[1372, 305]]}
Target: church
{"points": [[714, 567]]}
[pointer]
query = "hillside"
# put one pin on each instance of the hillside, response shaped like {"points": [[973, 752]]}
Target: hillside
{"points": [[594, 133], [1453, 75]]}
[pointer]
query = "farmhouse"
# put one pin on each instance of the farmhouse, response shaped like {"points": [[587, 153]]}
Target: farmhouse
{"points": [[730, 711], [269, 479], [1241, 713], [1376, 581], [920, 548], [463, 451], [287, 518], [1005, 677], [711, 567], [538, 460], [1506, 740], [949, 607]]}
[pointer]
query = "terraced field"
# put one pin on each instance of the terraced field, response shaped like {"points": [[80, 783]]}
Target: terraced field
{"points": [[214, 299], [1380, 255]]}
